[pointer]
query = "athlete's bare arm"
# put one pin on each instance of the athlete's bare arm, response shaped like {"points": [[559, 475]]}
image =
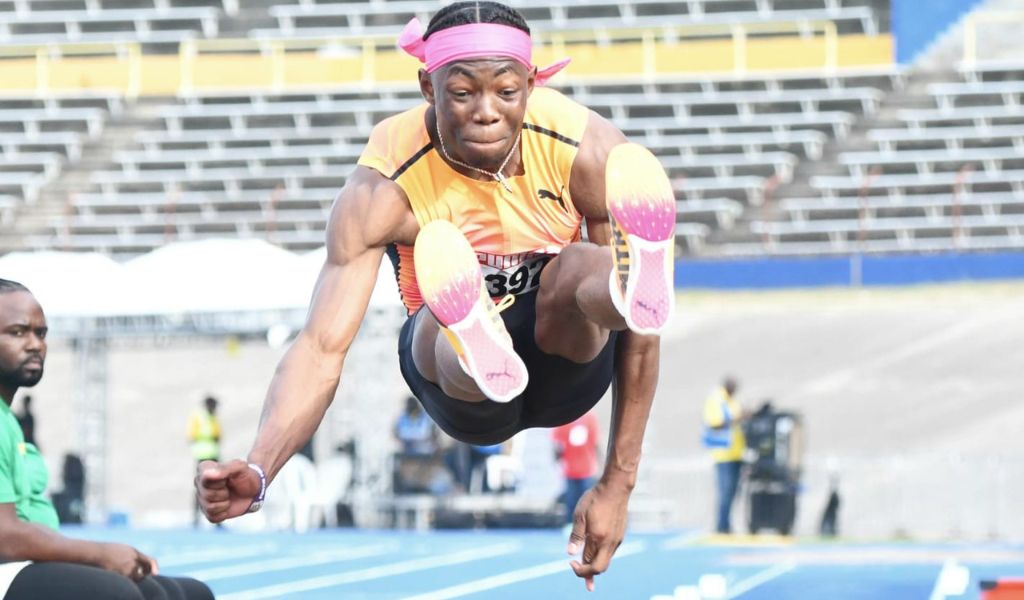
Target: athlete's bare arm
{"points": [[369, 213], [600, 520]]}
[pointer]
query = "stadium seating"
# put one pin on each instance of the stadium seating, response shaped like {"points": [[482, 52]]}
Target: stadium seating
{"points": [[322, 19], [40, 21], [270, 164], [942, 177], [7, 206], [37, 137]]}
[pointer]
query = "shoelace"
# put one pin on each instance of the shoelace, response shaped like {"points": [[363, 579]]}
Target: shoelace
{"points": [[494, 310], [498, 307], [621, 252]]}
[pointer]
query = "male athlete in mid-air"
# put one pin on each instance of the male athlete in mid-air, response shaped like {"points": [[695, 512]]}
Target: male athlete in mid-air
{"points": [[478, 197]]}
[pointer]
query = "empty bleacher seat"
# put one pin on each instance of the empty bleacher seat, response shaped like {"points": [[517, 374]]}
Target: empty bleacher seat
{"points": [[715, 213], [319, 19], [901, 184], [933, 205], [924, 162], [8, 204], [951, 138], [848, 233], [160, 23]]}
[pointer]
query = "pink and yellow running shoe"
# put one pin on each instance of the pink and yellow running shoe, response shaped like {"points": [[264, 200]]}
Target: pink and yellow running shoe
{"points": [[642, 211], [453, 289]]}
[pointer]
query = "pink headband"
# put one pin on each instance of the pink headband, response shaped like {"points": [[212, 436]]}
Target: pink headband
{"points": [[477, 40]]}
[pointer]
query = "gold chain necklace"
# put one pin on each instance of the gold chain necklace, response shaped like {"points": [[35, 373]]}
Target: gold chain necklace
{"points": [[497, 175]]}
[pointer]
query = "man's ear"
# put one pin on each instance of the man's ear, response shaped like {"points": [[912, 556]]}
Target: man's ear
{"points": [[530, 80], [426, 86]]}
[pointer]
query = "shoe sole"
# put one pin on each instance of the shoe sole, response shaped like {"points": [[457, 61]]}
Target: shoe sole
{"points": [[452, 290], [643, 212]]}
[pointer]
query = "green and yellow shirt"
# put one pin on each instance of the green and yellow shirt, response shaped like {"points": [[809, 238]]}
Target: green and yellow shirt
{"points": [[23, 474]]}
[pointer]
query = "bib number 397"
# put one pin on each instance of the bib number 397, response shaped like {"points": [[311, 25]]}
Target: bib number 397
{"points": [[515, 280]]}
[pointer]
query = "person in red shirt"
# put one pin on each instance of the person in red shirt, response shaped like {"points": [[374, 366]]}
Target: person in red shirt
{"points": [[576, 448]]}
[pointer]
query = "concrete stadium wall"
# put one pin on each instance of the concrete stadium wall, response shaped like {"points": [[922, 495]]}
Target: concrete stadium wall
{"points": [[916, 24], [910, 396], [853, 270]]}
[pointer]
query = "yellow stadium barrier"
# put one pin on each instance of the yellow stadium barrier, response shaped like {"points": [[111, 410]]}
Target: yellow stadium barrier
{"points": [[277, 65]]}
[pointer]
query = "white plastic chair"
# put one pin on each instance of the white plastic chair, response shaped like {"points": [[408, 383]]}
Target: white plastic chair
{"points": [[296, 485], [333, 479]]}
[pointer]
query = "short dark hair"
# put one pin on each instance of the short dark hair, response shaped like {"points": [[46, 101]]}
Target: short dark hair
{"points": [[467, 13], [7, 287]]}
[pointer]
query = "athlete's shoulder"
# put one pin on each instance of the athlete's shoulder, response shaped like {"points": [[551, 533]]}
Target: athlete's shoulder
{"points": [[551, 111], [396, 141]]}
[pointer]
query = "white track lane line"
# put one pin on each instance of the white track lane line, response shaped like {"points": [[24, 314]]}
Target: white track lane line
{"points": [[759, 578], [516, 576], [285, 563], [683, 541], [953, 580], [218, 553], [386, 570]]}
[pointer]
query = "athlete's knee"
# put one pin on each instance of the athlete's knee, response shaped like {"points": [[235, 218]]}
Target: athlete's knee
{"points": [[576, 265], [547, 339], [463, 390], [424, 343], [580, 346], [571, 261]]}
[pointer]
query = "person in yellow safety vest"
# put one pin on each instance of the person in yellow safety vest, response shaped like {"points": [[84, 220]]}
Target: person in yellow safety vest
{"points": [[204, 435], [723, 435]]}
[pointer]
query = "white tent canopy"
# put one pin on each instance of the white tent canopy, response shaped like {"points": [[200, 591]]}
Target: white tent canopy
{"points": [[184, 277], [75, 285], [384, 294], [217, 276]]}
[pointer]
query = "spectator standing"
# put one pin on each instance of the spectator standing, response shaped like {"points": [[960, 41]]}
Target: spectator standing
{"points": [[415, 430], [576, 448], [27, 420], [204, 436], [723, 435]]}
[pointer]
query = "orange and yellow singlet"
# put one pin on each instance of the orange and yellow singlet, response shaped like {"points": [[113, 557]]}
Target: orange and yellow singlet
{"points": [[513, 233]]}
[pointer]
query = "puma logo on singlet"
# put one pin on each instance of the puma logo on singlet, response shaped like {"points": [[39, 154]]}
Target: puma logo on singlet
{"points": [[543, 193]]}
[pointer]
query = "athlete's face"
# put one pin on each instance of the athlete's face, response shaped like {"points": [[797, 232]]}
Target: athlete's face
{"points": [[22, 342], [480, 106]]}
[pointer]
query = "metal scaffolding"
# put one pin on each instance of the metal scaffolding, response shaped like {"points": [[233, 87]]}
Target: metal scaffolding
{"points": [[355, 416]]}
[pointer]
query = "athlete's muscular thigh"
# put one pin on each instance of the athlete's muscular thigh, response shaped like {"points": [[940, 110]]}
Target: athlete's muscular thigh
{"points": [[562, 329]]}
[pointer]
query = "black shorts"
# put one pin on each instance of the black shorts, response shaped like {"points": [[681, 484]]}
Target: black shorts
{"points": [[67, 581], [559, 391]]}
